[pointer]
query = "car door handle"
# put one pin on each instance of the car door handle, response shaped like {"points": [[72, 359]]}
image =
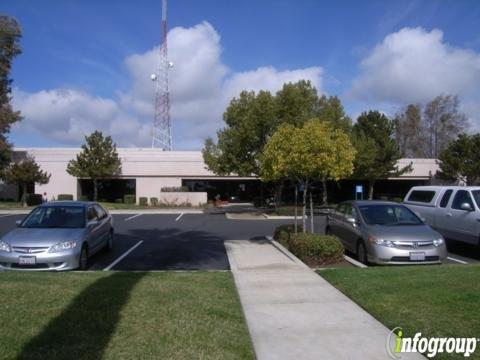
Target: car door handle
{"points": [[448, 214]]}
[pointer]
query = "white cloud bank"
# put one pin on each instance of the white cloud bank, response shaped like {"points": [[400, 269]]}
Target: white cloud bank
{"points": [[201, 87], [415, 65]]}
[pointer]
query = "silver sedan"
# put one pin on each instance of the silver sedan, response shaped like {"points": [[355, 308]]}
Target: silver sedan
{"points": [[385, 233], [58, 235]]}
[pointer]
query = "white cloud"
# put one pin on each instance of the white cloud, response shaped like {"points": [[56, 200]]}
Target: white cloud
{"points": [[414, 65], [201, 86]]}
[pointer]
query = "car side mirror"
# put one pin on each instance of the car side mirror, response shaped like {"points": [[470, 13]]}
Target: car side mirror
{"points": [[351, 220], [18, 222], [466, 206]]}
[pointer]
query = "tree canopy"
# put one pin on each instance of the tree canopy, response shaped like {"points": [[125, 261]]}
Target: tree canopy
{"points": [[97, 160], [460, 161], [377, 151], [23, 172], [10, 35], [252, 118]]}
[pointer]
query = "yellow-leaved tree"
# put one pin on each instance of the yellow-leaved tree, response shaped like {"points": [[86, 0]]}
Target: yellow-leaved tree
{"points": [[314, 151]]}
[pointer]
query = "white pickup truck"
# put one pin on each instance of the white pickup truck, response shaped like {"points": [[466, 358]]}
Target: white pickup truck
{"points": [[454, 211]]}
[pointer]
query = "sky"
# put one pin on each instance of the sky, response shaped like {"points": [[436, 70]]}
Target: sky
{"points": [[86, 64]]}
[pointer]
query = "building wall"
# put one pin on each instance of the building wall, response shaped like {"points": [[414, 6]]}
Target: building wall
{"points": [[154, 169]]}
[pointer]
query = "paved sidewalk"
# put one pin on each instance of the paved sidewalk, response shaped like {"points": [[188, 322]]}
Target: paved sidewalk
{"points": [[292, 313]]}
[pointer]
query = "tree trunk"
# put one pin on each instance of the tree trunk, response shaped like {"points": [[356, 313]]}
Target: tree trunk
{"points": [[324, 194], [371, 183], [304, 215], [311, 214], [278, 195], [296, 211], [24, 194], [95, 189]]}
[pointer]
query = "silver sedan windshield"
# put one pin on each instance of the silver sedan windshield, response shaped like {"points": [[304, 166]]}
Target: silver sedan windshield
{"points": [[56, 217], [388, 214]]}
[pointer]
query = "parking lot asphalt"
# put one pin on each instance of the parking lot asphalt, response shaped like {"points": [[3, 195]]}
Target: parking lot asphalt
{"points": [[193, 241]]}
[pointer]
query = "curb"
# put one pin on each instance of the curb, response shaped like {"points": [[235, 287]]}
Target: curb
{"points": [[287, 253], [355, 262]]}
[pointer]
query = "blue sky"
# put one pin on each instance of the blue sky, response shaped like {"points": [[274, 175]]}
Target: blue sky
{"points": [[76, 54]]}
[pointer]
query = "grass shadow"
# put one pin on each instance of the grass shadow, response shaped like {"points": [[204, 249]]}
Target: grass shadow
{"points": [[84, 328]]}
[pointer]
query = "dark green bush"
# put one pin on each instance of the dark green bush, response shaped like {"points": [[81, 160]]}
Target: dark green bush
{"points": [[315, 250], [84, 198], [283, 233], [154, 201], [129, 199], [143, 201], [65, 197], [118, 201], [34, 199]]}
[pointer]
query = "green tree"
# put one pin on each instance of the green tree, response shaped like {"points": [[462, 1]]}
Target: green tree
{"points": [[23, 172], [305, 153], [97, 160], [377, 151], [9, 48], [460, 161], [296, 103], [330, 109]]}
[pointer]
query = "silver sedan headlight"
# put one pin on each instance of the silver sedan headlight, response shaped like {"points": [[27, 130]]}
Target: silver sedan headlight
{"points": [[381, 242], [67, 245], [4, 246], [438, 242]]}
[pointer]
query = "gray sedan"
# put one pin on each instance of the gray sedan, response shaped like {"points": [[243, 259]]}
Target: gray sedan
{"points": [[385, 233], [58, 235]]}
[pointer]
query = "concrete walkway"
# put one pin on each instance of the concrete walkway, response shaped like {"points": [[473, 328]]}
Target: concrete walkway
{"points": [[292, 313]]}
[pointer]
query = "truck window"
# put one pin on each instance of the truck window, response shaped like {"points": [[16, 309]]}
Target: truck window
{"points": [[462, 196], [445, 198], [421, 196], [476, 196]]}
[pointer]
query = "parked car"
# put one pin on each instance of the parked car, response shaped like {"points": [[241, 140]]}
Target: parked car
{"points": [[454, 211], [385, 232], [58, 235]]}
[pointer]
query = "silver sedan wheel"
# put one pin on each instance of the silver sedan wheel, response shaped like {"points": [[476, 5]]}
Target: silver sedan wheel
{"points": [[83, 261]]}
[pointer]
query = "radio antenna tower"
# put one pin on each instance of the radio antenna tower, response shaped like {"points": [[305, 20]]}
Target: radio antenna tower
{"points": [[162, 130]]}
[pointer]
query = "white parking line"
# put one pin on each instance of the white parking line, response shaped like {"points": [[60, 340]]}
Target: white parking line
{"points": [[459, 261], [179, 216], [123, 255], [133, 217], [5, 215]]}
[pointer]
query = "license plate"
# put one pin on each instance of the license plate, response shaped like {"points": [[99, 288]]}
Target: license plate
{"points": [[27, 260], [417, 256]]}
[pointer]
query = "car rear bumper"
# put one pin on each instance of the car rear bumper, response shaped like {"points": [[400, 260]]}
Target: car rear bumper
{"points": [[394, 256], [67, 260]]}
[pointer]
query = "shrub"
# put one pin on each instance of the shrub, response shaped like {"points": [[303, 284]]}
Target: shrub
{"points": [[34, 199], [283, 233], [118, 201], [65, 197], [175, 189], [154, 201], [129, 199], [143, 201], [84, 198], [314, 249]]}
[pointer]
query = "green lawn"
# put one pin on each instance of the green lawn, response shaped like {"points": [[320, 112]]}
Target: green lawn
{"points": [[120, 315], [438, 301]]}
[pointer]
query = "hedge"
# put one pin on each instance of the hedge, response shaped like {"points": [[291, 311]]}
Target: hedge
{"points": [[154, 201], [34, 199], [313, 249], [65, 197], [143, 201], [129, 199]]}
